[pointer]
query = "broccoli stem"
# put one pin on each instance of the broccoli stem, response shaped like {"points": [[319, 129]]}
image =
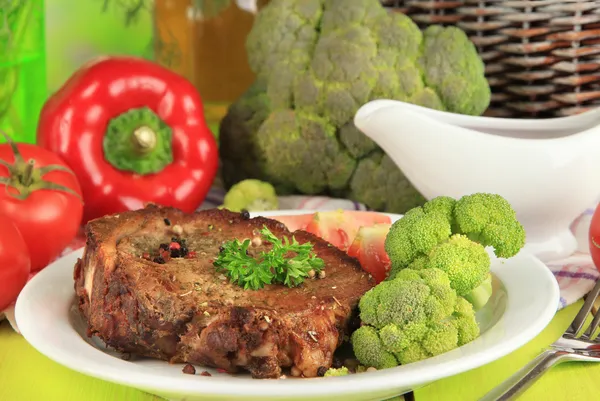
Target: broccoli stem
{"points": [[480, 295]]}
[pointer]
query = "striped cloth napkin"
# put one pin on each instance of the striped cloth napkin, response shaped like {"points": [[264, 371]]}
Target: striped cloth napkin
{"points": [[576, 275]]}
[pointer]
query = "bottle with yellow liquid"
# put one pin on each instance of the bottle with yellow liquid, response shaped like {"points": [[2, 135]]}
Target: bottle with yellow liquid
{"points": [[204, 40]]}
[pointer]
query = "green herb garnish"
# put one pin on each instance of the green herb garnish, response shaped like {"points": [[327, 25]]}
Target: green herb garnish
{"points": [[287, 262]]}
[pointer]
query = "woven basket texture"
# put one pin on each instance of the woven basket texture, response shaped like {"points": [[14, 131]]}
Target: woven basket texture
{"points": [[542, 57]]}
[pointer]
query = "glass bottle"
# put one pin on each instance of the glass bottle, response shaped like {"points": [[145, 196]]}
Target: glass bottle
{"points": [[204, 40], [23, 88]]}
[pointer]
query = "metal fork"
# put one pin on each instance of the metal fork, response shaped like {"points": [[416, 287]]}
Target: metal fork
{"points": [[575, 344]]}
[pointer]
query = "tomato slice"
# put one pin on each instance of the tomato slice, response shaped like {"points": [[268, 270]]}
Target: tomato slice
{"points": [[341, 227], [369, 248], [315, 222], [294, 222]]}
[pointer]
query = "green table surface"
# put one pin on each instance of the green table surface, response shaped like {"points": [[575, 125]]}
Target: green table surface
{"points": [[27, 375]]}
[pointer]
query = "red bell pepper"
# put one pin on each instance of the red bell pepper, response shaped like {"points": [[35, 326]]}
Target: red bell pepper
{"points": [[133, 132]]}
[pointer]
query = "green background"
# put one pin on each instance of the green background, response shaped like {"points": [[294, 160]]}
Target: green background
{"points": [[79, 30]]}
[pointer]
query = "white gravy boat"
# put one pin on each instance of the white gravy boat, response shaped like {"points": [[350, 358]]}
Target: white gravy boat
{"points": [[548, 169]]}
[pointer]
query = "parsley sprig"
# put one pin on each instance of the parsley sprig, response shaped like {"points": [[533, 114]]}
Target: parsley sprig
{"points": [[287, 262]]}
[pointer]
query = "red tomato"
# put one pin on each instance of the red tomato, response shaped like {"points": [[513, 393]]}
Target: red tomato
{"points": [[340, 227], [42, 198], [594, 237], [14, 262], [369, 248]]}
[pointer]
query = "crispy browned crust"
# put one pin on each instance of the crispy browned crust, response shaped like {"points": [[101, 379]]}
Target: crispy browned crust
{"points": [[185, 311]]}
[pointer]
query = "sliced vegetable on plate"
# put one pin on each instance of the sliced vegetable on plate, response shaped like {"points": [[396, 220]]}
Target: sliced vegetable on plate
{"points": [[369, 248], [295, 222], [133, 132], [340, 227], [360, 233]]}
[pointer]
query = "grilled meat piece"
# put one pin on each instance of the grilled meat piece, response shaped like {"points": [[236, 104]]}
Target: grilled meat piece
{"points": [[182, 310]]}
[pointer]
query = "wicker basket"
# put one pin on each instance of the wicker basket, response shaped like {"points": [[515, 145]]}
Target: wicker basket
{"points": [[542, 56]]}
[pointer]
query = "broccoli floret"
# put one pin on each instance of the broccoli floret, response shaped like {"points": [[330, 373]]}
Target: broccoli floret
{"points": [[251, 195], [290, 154], [467, 263], [245, 118], [281, 44], [415, 235], [444, 51], [490, 220], [316, 63], [479, 296], [419, 263], [466, 324], [377, 181], [443, 205], [412, 317], [343, 371], [451, 236], [415, 297], [369, 349]]}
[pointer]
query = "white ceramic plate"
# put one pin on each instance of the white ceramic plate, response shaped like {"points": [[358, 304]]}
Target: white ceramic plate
{"points": [[525, 299]]}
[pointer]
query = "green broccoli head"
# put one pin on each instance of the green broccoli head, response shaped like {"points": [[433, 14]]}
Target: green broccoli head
{"points": [[490, 220], [317, 62], [412, 317]]}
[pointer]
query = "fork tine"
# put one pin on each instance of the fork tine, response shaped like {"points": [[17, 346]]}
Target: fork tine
{"points": [[579, 320], [593, 326]]}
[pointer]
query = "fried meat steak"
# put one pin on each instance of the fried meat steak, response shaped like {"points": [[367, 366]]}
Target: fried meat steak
{"points": [[184, 311]]}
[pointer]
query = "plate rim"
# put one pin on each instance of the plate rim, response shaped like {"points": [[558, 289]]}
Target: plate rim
{"points": [[377, 381]]}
